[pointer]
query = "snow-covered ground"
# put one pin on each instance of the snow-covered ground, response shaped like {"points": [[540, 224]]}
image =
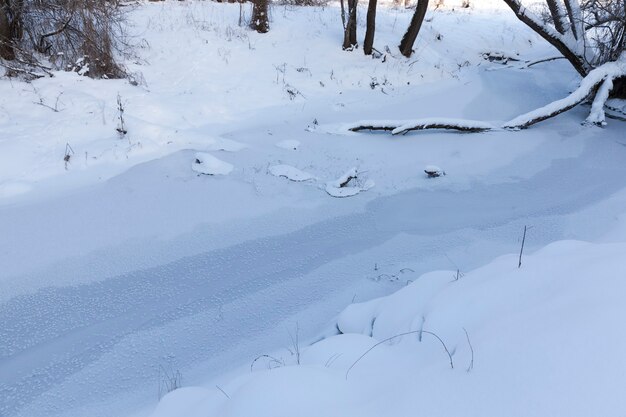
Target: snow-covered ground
{"points": [[126, 265]]}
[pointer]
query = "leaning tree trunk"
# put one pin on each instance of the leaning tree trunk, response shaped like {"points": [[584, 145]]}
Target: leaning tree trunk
{"points": [[406, 45], [349, 36], [260, 21], [567, 36], [368, 43]]}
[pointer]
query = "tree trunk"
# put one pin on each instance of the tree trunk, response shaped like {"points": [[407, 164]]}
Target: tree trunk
{"points": [[619, 88], [557, 15], [10, 28], [368, 43], [349, 36], [553, 36], [260, 21], [406, 45]]}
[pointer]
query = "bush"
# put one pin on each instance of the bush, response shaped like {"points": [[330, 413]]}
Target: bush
{"points": [[81, 35]]}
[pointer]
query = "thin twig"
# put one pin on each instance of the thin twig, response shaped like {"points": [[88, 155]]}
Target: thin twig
{"points": [[223, 392], [471, 365], [519, 265], [400, 335]]}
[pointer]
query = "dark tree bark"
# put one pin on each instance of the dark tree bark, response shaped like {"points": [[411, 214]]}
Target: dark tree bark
{"points": [[10, 27], [557, 15], [368, 43], [406, 45], [619, 88], [260, 20], [349, 36]]}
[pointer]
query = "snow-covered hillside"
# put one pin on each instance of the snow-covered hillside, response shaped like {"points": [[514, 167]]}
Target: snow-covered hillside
{"points": [[542, 340], [212, 234]]}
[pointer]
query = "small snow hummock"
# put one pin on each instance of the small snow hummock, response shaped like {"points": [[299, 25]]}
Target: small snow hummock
{"points": [[433, 171], [289, 172], [348, 184], [290, 144], [205, 163]]}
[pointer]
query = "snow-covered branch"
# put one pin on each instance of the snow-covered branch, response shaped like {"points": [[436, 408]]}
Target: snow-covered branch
{"points": [[398, 127], [598, 83], [588, 86]]}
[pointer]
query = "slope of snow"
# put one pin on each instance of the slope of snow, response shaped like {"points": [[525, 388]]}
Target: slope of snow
{"points": [[543, 339], [124, 262], [205, 163]]}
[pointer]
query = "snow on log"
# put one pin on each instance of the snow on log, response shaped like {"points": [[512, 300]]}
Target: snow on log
{"points": [[348, 185], [597, 115], [433, 171], [443, 123], [587, 87], [398, 127], [375, 125]]}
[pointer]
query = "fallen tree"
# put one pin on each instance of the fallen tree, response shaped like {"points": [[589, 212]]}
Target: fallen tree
{"points": [[598, 83], [401, 127]]}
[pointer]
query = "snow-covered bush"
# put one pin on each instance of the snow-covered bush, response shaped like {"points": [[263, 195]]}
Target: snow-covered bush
{"points": [[77, 35]]}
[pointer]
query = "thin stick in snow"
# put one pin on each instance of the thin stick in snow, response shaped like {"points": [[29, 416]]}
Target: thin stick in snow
{"points": [[471, 365], [223, 392], [519, 265], [400, 335]]}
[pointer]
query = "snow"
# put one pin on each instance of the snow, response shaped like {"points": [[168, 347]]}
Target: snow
{"points": [[289, 144], [596, 115], [434, 171], [289, 172], [126, 261], [205, 163], [542, 339], [349, 184]]}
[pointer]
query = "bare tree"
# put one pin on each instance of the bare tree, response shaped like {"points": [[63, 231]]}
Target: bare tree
{"points": [[588, 33], [406, 45], [368, 43], [260, 19], [349, 36]]}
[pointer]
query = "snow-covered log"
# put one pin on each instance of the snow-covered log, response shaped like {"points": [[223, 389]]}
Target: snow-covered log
{"points": [[443, 123], [597, 83], [375, 125], [588, 86], [398, 127]]}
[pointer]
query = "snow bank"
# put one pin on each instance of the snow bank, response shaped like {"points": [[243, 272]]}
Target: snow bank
{"points": [[541, 340], [205, 163]]}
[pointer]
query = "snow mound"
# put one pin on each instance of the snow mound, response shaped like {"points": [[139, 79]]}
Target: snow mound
{"points": [[289, 144], [189, 402], [207, 164], [289, 172], [543, 340], [348, 185], [434, 171]]}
